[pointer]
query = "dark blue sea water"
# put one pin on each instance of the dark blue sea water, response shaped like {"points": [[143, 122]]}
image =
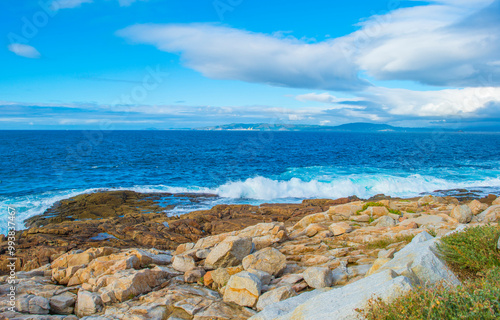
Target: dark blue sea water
{"points": [[38, 168]]}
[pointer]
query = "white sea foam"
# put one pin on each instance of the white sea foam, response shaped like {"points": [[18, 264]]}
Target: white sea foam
{"points": [[260, 189], [363, 186]]}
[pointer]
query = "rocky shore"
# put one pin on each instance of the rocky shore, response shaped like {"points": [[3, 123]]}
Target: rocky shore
{"points": [[116, 255]]}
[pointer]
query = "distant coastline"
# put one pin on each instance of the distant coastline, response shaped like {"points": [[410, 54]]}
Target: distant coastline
{"points": [[350, 127]]}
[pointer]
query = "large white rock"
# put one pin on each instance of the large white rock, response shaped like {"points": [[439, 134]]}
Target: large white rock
{"points": [[341, 303], [418, 262], [269, 260], [243, 288], [462, 213], [318, 277], [229, 252], [274, 296]]}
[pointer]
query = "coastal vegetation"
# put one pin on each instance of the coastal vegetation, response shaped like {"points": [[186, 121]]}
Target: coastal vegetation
{"points": [[474, 255]]}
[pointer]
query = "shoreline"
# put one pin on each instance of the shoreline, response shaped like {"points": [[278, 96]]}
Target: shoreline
{"points": [[232, 261], [115, 218]]}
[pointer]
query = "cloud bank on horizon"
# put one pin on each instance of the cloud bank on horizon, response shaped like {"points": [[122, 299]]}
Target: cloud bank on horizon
{"points": [[414, 64]]}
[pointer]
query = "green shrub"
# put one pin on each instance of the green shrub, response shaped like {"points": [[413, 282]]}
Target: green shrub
{"points": [[478, 299], [432, 232], [377, 204], [474, 249], [369, 204]]}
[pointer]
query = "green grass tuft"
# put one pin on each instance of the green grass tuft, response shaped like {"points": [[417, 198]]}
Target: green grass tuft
{"points": [[474, 249], [384, 242]]}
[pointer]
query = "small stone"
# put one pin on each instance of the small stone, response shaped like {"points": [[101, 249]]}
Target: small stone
{"points": [[229, 252], [207, 279], [183, 248], [313, 229], [376, 211], [194, 275], [428, 199], [202, 254], [317, 277], [221, 276], [88, 303], [32, 304], [385, 221], [183, 263], [346, 210], [63, 303], [360, 218], [340, 228], [269, 260], [462, 213], [243, 288], [475, 206]]}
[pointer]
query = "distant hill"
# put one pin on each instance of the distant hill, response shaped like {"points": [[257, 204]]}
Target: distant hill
{"points": [[350, 127]]}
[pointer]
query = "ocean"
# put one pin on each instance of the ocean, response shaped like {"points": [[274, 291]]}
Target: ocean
{"points": [[38, 168]]}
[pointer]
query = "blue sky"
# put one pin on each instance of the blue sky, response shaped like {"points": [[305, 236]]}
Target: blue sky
{"points": [[134, 64]]}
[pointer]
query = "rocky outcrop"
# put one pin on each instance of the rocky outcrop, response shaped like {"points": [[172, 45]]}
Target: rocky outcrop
{"points": [[117, 219], [267, 267]]}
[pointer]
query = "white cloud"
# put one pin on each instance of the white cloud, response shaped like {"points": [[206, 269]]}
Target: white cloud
{"points": [[324, 97], [24, 50], [466, 102], [225, 53], [445, 43], [449, 43]]}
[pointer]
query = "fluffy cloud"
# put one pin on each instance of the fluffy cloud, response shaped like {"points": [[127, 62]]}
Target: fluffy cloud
{"points": [[445, 43], [24, 50], [225, 53], [449, 43], [387, 103]]}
